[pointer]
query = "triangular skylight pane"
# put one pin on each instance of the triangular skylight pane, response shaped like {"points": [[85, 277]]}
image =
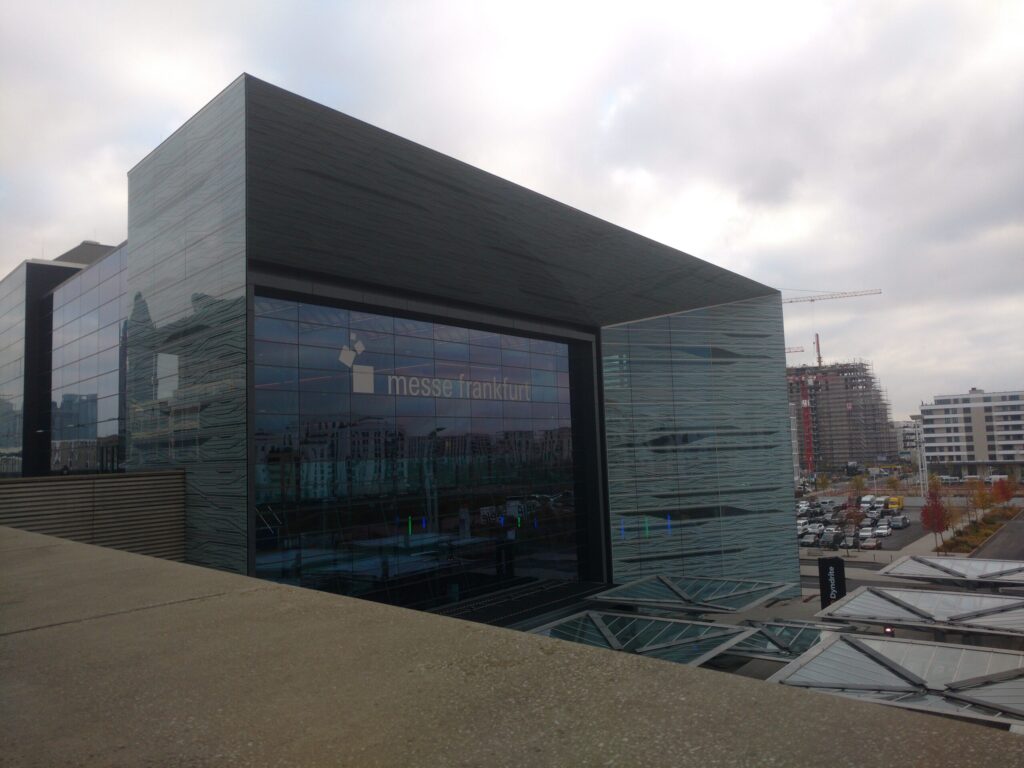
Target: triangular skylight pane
{"points": [[840, 665]]}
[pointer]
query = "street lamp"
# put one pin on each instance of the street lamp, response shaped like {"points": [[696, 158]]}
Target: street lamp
{"points": [[922, 465]]}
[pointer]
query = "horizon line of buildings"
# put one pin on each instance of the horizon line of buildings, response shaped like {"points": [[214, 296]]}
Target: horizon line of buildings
{"points": [[840, 421]]}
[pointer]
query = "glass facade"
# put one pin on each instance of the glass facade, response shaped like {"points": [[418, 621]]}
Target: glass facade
{"points": [[409, 461], [12, 371], [185, 368], [698, 444], [86, 411]]}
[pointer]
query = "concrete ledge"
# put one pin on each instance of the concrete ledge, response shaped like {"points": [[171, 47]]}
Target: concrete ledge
{"points": [[109, 658]]}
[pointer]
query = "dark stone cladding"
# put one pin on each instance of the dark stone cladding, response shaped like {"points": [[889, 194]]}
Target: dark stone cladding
{"points": [[329, 194]]}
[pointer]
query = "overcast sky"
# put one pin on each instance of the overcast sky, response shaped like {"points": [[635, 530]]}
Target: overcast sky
{"points": [[811, 146]]}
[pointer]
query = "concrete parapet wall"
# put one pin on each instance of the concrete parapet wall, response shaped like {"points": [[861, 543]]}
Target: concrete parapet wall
{"points": [[111, 658]]}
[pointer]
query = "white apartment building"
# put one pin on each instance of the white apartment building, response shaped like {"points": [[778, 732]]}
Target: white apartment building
{"points": [[907, 437], [977, 433]]}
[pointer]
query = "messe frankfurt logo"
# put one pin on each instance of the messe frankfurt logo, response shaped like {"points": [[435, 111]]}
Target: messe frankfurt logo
{"points": [[362, 375]]}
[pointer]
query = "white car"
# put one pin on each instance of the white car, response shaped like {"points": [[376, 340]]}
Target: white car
{"points": [[866, 533], [816, 528], [833, 529], [882, 531]]}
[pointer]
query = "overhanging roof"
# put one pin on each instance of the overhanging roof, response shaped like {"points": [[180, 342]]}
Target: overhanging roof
{"points": [[958, 680], [691, 594], [956, 611], [344, 200], [86, 252], [960, 570], [678, 640]]}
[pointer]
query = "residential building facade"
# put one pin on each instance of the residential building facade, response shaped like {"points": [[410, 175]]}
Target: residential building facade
{"points": [[975, 433], [908, 439]]}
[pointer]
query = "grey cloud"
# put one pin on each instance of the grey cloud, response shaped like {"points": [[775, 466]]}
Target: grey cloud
{"points": [[894, 124]]}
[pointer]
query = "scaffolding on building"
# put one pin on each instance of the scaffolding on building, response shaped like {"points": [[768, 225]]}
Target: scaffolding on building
{"points": [[842, 414]]}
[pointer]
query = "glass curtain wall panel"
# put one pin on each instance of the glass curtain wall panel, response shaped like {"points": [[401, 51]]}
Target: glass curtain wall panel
{"points": [[86, 413], [12, 371], [185, 363], [699, 454], [408, 461]]}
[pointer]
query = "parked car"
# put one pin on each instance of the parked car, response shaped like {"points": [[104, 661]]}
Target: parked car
{"points": [[882, 531], [830, 540], [832, 529], [850, 542], [866, 533], [816, 528], [871, 543], [899, 521], [810, 540]]}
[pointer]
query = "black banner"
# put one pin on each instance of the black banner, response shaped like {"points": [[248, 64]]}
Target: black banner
{"points": [[831, 579]]}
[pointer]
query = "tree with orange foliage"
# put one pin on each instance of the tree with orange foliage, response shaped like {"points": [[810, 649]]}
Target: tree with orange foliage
{"points": [[977, 499], [1003, 491]]}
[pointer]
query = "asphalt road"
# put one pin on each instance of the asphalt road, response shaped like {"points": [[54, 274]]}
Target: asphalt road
{"points": [[1006, 544]]}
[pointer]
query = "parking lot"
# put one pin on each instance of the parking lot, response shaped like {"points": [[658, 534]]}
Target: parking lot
{"points": [[899, 538]]}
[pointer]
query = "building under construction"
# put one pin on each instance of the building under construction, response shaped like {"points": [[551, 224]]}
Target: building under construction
{"points": [[840, 415]]}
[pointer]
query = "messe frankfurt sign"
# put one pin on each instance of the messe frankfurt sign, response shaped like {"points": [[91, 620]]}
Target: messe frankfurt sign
{"points": [[429, 386]]}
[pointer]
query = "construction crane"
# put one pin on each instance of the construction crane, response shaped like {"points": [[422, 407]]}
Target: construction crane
{"points": [[805, 397], [836, 295], [823, 297]]}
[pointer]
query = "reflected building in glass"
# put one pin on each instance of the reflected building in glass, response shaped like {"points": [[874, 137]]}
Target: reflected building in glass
{"points": [[87, 407], [409, 460], [388, 374]]}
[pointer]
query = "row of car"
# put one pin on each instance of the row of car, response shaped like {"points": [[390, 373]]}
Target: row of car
{"points": [[812, 505], [818, 526], [867, 530], [953, 480], [841, 515], [840, 541]]}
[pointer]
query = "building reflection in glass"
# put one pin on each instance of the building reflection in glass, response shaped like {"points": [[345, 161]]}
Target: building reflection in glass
{"points": [[12, 368], [408, 461], [87, 369]]}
